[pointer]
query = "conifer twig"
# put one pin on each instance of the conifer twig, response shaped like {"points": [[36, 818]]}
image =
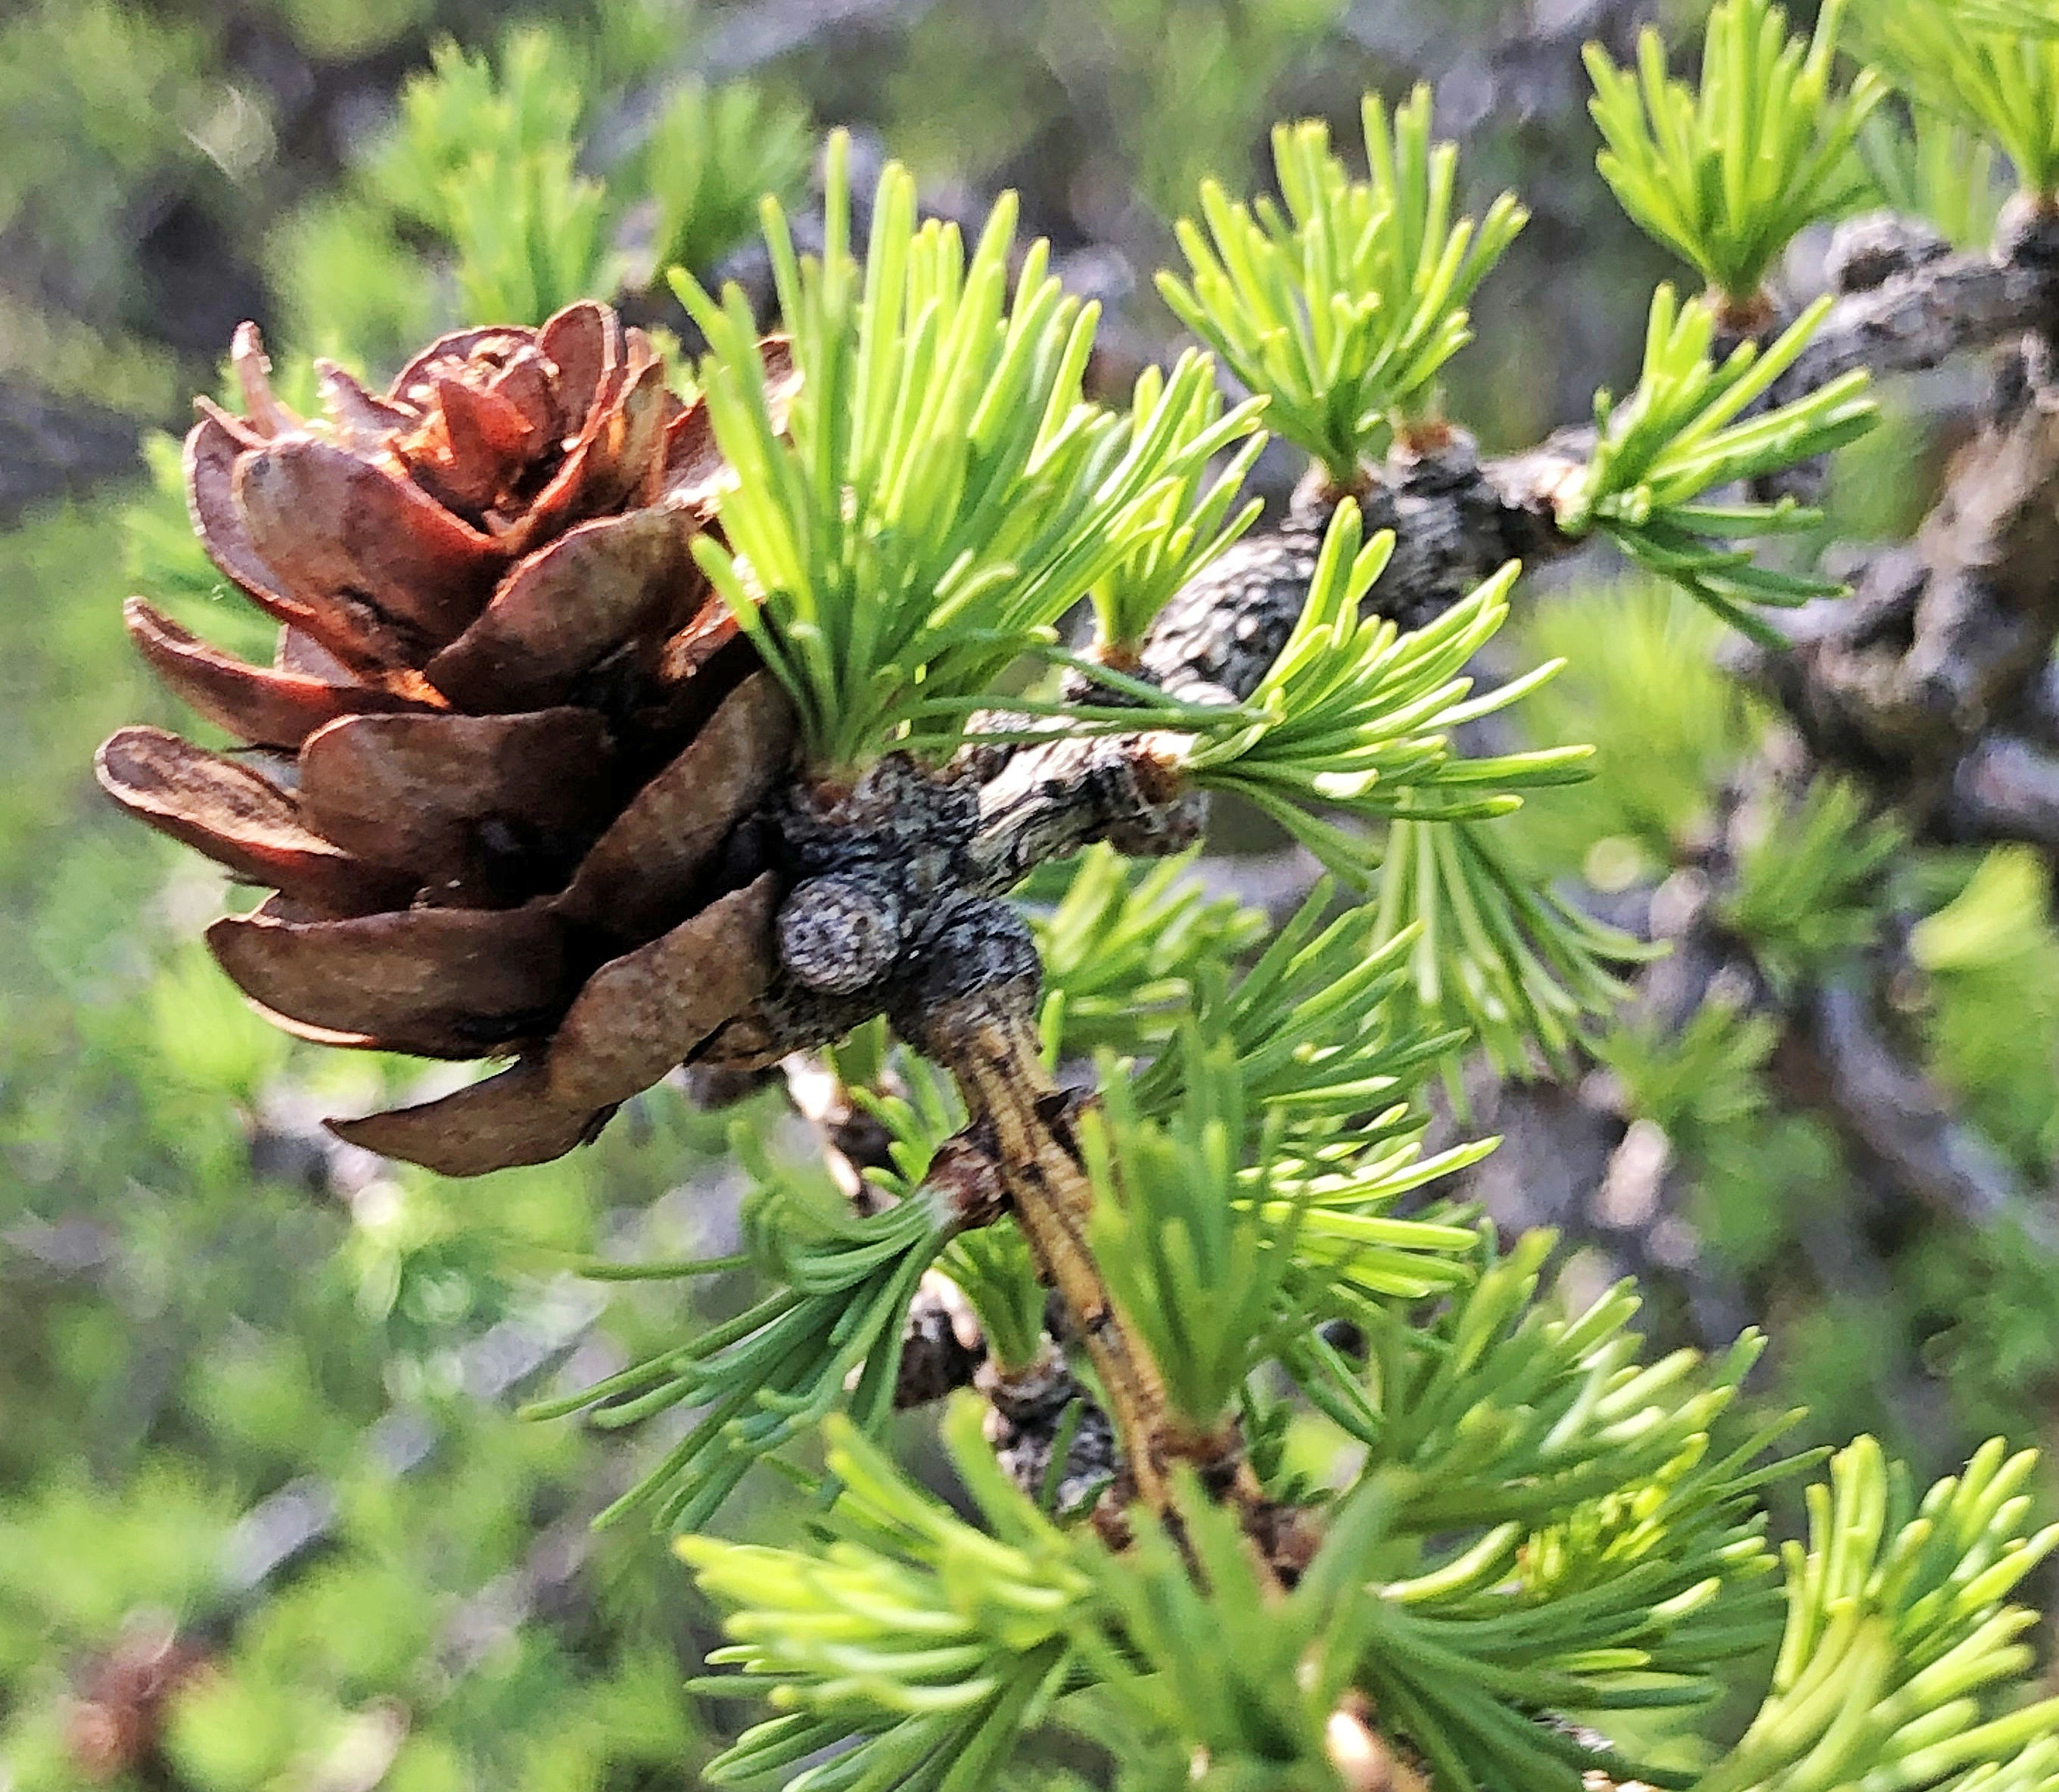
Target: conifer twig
{"points": [[1456, 516], [994, 1053]]}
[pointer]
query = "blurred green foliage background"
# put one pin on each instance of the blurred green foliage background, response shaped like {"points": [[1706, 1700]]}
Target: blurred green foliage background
{"points": [[266, 1520]]}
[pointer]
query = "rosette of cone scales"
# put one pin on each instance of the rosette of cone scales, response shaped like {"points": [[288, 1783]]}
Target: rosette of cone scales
{"points": [[498, 776]]}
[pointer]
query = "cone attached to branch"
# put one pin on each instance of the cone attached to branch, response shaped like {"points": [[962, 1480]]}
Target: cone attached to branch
{"points": [[496, 773]]}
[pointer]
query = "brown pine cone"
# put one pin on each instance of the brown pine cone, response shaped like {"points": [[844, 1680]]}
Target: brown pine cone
{"points": [[497, 770]]}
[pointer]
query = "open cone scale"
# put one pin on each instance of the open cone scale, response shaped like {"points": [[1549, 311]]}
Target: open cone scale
{"points": [[494, 774]]}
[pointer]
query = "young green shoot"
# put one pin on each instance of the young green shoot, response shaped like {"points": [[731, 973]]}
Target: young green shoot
{"points": [[1259, 1714], [710, 156], [1329, 1073], [1992, 64], [1729, 174], [827, 1338], [1310, 1027], [1122, 945], [484, 156], [1357, 716], [1343, 309], [941, 494], [1195, 523], [1686, 432], [466, 108], [1809, 893], [1494, 955], [1671, 1577], [1934, 169], [931, 1641], [1900, 1654], [1198, 1273], [919, 1107], [532, 235]]}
